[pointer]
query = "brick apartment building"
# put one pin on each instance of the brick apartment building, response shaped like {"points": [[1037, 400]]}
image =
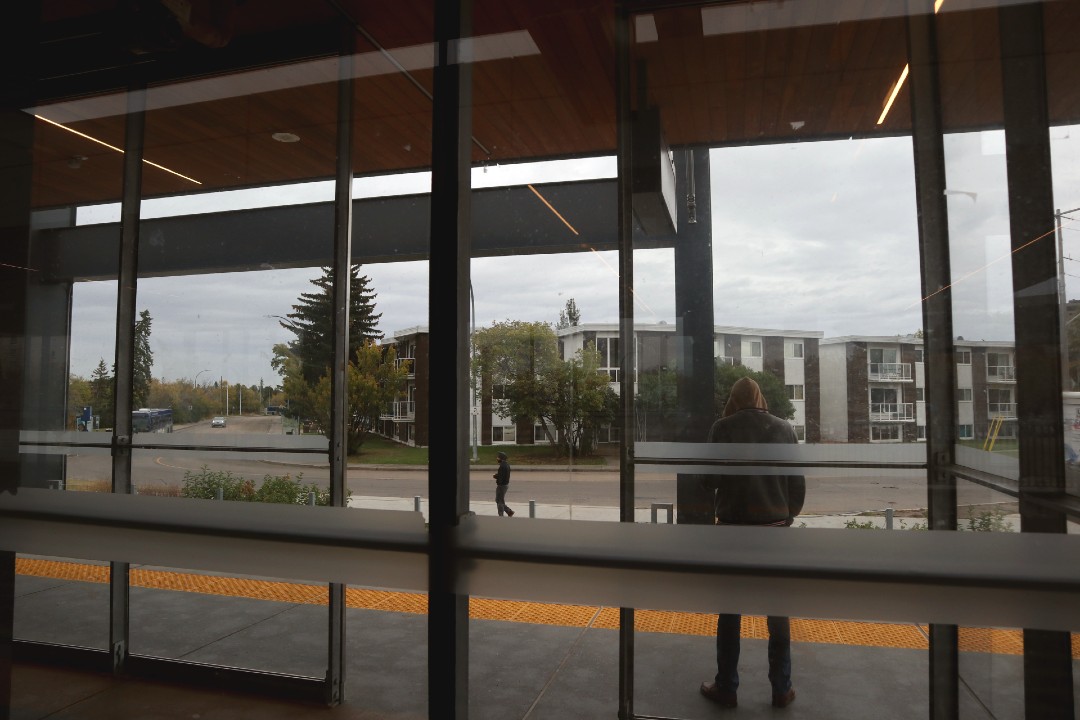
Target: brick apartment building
{"points": [[874, 389]]}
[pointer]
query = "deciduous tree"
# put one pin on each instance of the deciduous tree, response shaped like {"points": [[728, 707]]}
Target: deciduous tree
{"points": [[771, 386]]}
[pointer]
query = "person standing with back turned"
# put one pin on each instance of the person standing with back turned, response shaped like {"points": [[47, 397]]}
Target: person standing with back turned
{"points": [[768, 500], [502, 484]]}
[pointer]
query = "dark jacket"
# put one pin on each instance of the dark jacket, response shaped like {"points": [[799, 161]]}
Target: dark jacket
{"points": [[502, 475], [756, 499]]}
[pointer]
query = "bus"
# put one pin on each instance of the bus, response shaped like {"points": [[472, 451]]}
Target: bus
{"points": [[154, 420]]}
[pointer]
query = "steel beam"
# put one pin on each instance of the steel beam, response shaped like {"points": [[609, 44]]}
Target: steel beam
{"points": [[938, 351], [1048, 678], [339, 377], [124, 363], [448, 451], [625, 227]]}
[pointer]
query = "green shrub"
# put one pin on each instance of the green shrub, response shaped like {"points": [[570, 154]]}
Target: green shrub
{"points": [[206, 482], [989, 521], [854, 524], [281, 489]]}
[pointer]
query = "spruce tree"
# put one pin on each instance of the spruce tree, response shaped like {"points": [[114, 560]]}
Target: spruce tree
{"points": [[312, 322], [144, 362]]}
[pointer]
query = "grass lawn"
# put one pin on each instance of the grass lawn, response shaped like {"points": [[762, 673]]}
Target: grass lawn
{"points": [[1003, 446], [380, 451]]}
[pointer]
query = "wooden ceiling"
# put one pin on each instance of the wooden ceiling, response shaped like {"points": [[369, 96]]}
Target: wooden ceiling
{"points": [[543, 88]]}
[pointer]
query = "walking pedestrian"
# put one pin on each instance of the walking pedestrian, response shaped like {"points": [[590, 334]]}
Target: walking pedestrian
{"points": [[502, 484]]}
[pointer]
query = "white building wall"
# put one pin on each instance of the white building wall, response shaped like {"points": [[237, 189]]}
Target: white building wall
{"points": [[833, 365], [757, 364], [963, 376], [795, 374]]}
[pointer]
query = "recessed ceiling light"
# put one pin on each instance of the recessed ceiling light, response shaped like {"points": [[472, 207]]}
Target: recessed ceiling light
{"points": [[286, 137]]}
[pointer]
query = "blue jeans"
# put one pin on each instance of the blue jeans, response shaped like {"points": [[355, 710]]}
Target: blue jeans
{"points": [[727, 653]]}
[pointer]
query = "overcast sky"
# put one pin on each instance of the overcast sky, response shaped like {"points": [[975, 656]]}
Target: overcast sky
{"points": [[815, 236]]}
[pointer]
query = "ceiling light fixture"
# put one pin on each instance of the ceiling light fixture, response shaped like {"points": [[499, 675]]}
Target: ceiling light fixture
{"points": [[903, 77], [286, 137], [892, 96], [113, 147]]}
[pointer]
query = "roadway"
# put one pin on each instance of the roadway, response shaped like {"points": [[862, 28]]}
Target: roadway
{"points": [[838, 493]]}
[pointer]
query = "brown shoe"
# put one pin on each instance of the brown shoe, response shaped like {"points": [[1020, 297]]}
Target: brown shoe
{"points": [[509, 512], [782, 701], [720, 697]]}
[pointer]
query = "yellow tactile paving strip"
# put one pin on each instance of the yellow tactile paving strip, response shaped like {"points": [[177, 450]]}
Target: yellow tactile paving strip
{"points": [[987, 640]]}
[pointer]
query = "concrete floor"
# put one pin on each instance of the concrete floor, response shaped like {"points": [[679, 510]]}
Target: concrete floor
{"points": [[517, 670]]}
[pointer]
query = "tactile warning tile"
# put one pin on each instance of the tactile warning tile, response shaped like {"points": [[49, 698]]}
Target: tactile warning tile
{"points": [[986, 640], [607, 619], [60, 570]]}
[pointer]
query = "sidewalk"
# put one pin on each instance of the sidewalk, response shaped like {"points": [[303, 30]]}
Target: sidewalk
{"points": [[517, 669]]}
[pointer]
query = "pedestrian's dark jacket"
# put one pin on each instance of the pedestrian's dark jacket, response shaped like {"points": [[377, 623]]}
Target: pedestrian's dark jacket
{"points": [[754, 499], [502, 475]]}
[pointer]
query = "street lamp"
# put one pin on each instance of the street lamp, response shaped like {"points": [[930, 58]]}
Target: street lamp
{"points": [[196, 383]]}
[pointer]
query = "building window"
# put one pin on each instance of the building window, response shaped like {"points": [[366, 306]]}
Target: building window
{"points": [[885, 433], [755, 348], [918, 355], [608, 350], [800, 432], [963, 357], [498, 391], [793, 349], [963, 394], [920, 433], [504, 434], [539, 436], [920, 395], [794, 392], [965, 432]]}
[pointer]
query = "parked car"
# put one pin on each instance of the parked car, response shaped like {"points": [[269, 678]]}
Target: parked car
{"points": [[217, 422]]}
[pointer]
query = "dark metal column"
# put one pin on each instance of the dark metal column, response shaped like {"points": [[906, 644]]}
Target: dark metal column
{"points": [[694, 318], [624, 143], [16, 143], [1048, 681], [935, 268], [127, 289], [448, 452], [339, 378]]}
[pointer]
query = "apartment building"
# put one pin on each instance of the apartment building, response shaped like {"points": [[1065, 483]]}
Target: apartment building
{"points": [[790, 355], [874, 389], [406, 418]]}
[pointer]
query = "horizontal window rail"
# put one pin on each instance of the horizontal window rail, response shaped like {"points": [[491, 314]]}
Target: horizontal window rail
{"points": [[61, 442], [982, 579], [734, 458], [1000, 373], [890, 371], [892, 412], [1005, 410]]}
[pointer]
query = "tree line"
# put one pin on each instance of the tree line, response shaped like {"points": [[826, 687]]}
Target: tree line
{"points": [[570, 399]]}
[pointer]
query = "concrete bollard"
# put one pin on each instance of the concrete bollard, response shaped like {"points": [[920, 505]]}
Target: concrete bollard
{"points": [[221, 493], [311, 499], [888, 518], [416, 503], [532, 508]]}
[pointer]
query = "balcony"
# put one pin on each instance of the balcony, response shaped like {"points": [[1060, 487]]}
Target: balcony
{"points": [[411, 364], [890, 371], [1003, 410], [892, 412], [1000, 373], [402, 410]]}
